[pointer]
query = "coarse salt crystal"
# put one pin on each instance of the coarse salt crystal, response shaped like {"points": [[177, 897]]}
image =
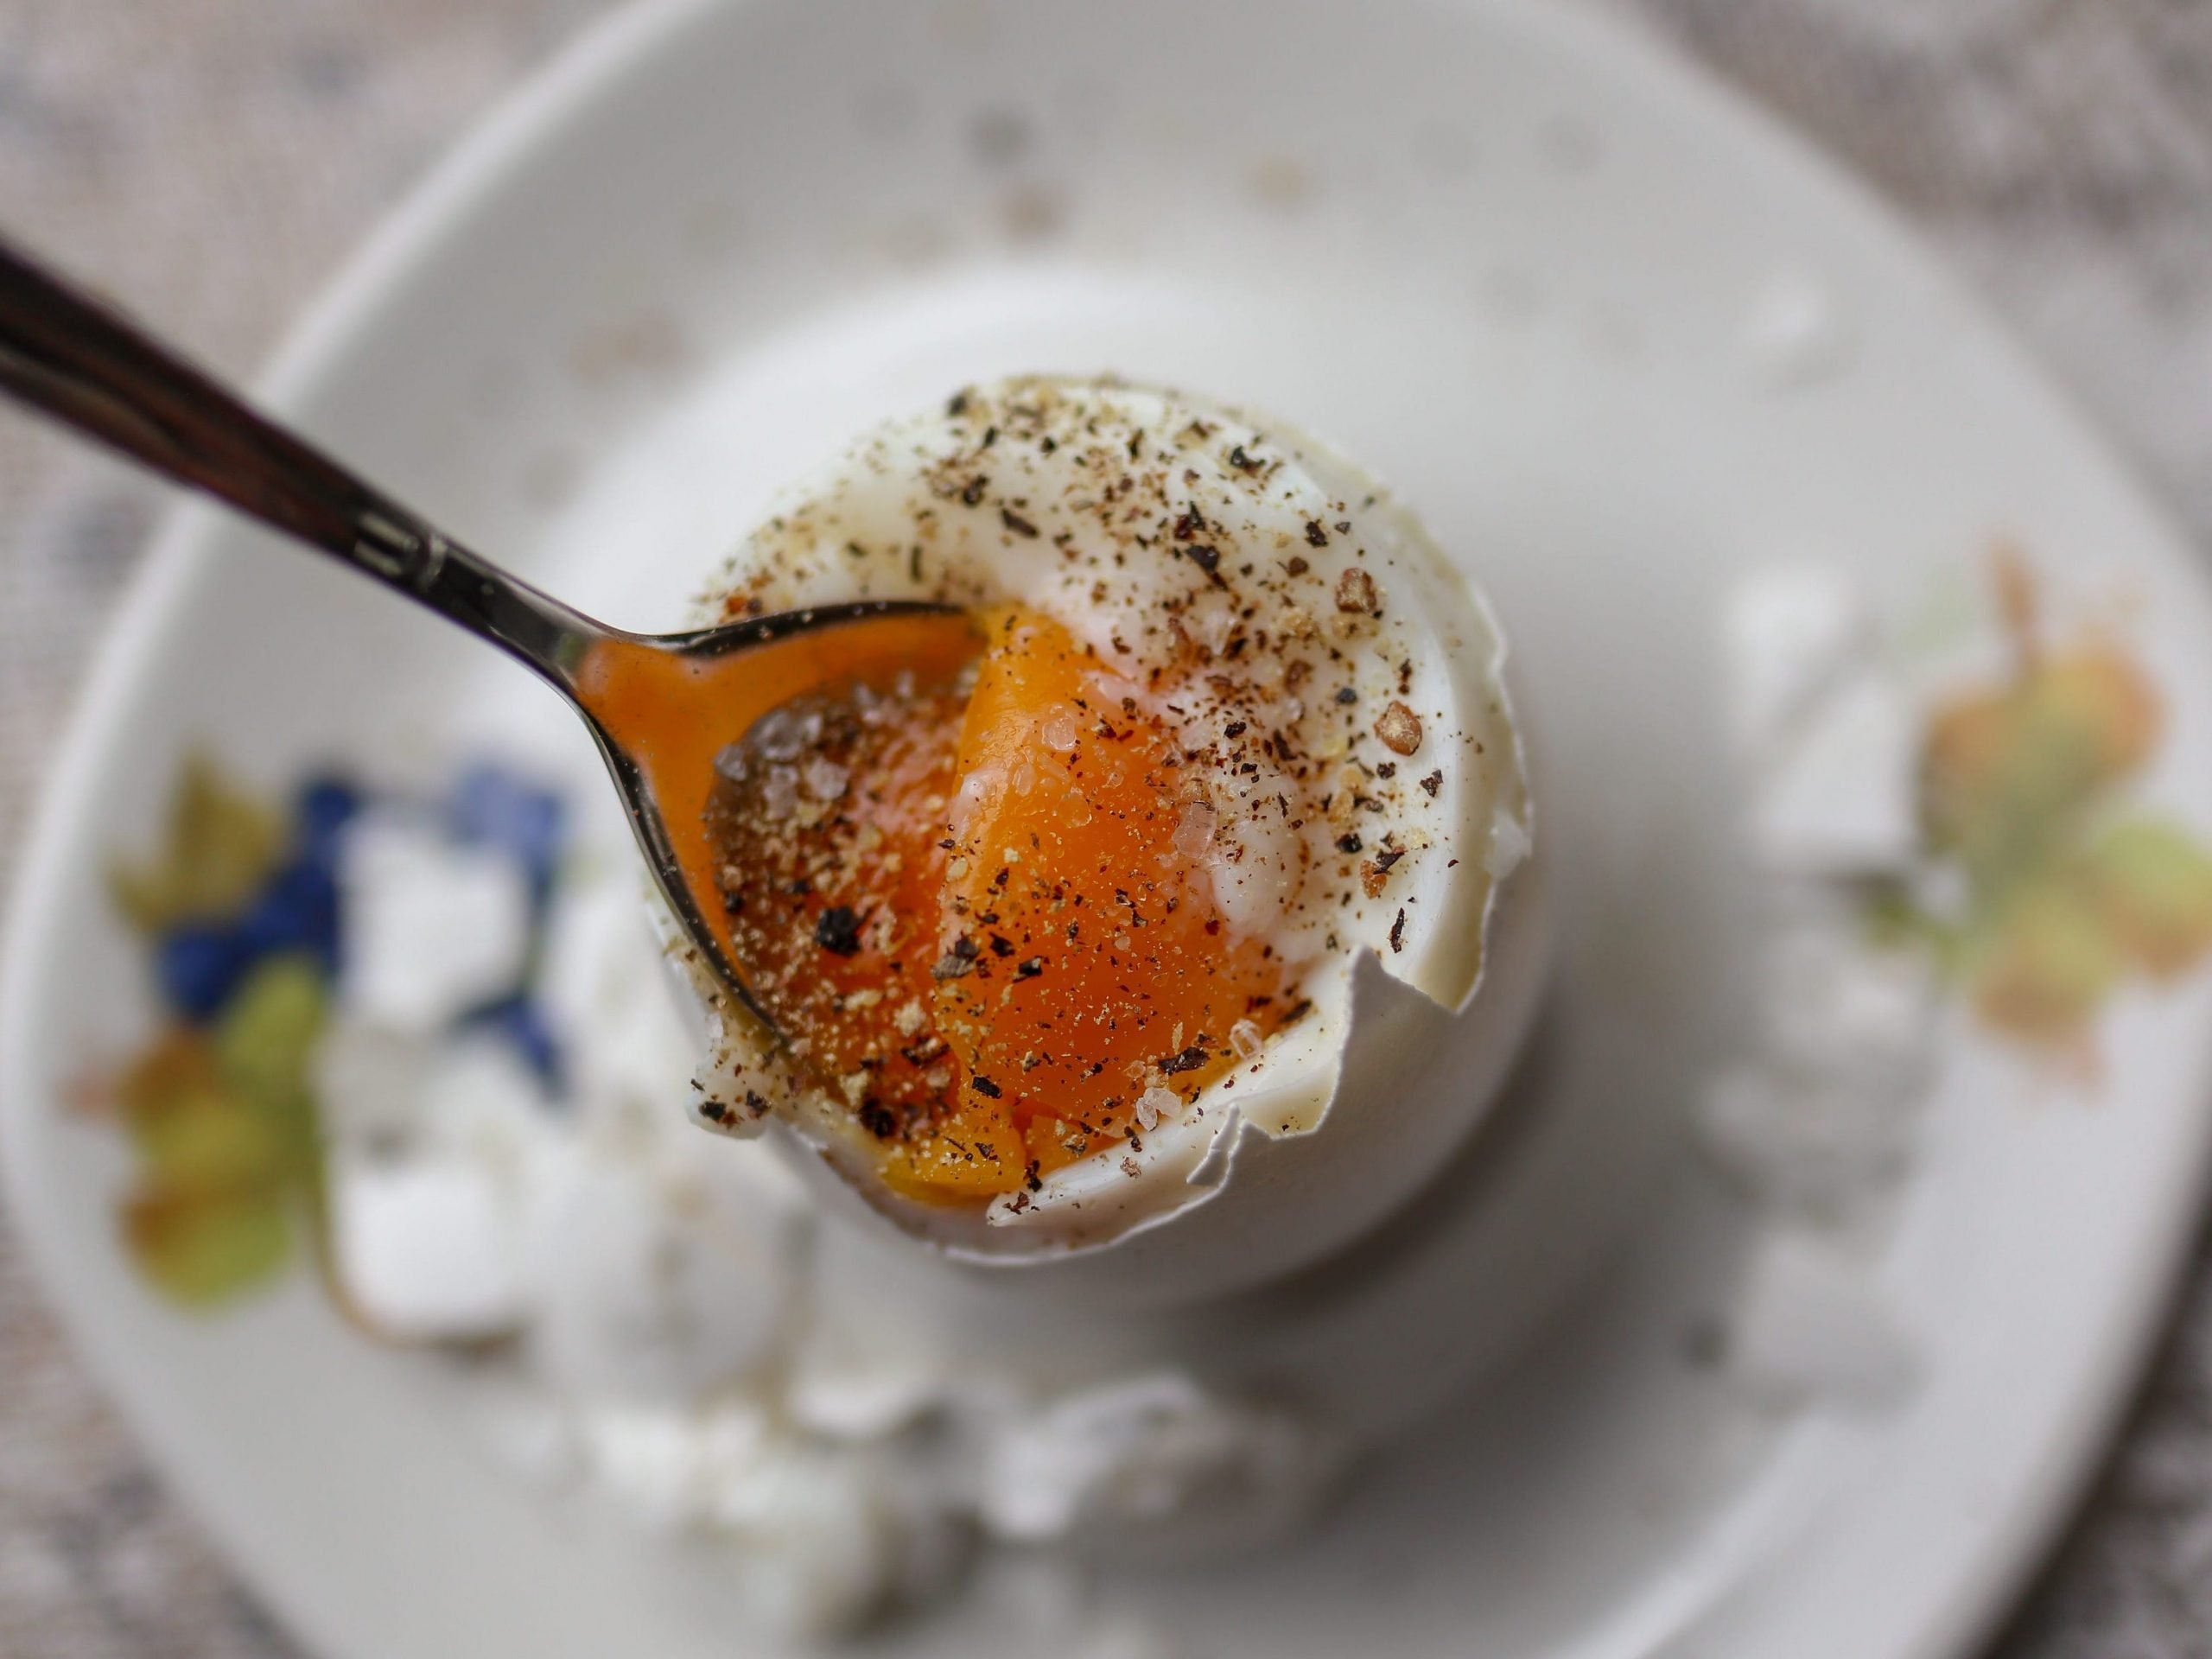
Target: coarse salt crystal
{"points": [[1194, 834], [1153, 1104], [1245, 1037], [1114, 688], [779, 734], [824, 778], [1058, 732], [977, 788], [779, 795]]}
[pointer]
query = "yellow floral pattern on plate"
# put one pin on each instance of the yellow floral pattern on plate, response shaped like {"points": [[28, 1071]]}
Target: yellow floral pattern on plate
{"points": [[2066, 892]]}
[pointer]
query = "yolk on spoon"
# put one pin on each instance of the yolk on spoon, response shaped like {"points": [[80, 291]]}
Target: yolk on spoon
{"points": [[967, 888]]}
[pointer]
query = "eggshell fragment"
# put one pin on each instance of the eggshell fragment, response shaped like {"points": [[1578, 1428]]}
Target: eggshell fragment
{"points": [[638, 1297], [433, 928], [426, 1249], [1110, 1461], [1813, 1324], [1788, 633], [1841, 801]]}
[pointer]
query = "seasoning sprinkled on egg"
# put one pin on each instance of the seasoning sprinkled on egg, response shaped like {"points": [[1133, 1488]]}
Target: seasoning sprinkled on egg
{"points": [[1026, 911]]}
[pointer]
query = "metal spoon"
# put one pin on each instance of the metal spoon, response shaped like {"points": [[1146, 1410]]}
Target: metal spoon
{"points": [[72, 358]]}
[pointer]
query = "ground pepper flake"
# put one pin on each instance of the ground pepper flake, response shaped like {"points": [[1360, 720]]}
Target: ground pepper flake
{"points": [[837, 930], [957, 962]]}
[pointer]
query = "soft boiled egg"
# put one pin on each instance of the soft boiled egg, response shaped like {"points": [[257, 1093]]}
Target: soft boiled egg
{"points": [[1176, 922]]}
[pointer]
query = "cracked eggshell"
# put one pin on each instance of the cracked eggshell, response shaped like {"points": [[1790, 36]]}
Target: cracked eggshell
{"points": [[1418, 1012]]}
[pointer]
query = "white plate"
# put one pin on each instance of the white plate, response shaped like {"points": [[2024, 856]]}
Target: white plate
{"points": [[1506, 255]]}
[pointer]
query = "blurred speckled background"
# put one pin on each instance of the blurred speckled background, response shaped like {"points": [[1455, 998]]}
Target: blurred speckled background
{"points": [[213, 159]]}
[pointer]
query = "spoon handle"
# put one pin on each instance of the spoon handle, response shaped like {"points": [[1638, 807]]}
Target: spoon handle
{"points": [[72, 357]]}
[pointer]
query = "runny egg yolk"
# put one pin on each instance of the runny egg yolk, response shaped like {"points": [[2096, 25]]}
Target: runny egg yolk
{"points": [[976, 907]]}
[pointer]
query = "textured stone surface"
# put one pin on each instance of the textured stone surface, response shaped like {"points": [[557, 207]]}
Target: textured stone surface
{"points": [[216, 157]]}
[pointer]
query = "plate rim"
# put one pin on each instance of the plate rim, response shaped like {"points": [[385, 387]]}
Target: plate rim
{"points": [[1993, 1573]]}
